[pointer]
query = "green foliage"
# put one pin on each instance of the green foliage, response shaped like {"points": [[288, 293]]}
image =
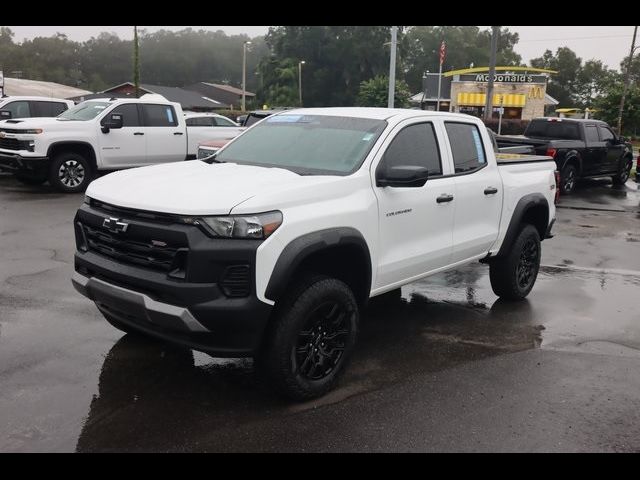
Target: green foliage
{"points": [[375, 93], [280, 80], [608, 107], [576, 84], [464, 45]]}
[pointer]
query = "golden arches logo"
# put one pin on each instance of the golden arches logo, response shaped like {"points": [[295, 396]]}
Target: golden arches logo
{"points": [[536, 92]]}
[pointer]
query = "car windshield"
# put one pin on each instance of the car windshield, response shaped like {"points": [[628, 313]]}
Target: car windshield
{"points": [[306, 144], [553, 129], [84, 111]]}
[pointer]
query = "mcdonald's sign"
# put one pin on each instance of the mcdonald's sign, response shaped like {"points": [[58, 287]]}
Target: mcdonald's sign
{"points": [[536, 92]]}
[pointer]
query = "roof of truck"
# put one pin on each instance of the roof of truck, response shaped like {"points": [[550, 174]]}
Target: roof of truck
{"points": [[375, 113]]}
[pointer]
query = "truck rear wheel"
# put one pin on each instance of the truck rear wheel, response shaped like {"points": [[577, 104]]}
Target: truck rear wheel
{"points": [[568, 179], [513, 276], [312, 337], [70, 173]]}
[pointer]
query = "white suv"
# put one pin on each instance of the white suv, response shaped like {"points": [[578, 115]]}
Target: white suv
{"points": [[28, 107]]}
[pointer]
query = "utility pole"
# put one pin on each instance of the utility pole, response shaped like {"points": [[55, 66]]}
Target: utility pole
{"points": [[136, 62], [627, 80], [488, 106], [300, 63], [244, 73], [392, 67]]}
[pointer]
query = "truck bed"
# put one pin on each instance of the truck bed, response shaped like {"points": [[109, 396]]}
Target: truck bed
{"points": [[514, 158]]}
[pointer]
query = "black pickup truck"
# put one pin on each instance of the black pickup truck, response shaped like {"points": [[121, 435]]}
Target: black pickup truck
{"points": [[581, 148]]}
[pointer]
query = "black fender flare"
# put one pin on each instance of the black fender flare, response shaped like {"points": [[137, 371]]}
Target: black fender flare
{"points": [[72, 143], [572, 156], [302, 247], [524, 205]]}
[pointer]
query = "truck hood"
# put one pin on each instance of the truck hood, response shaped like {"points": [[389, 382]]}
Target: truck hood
{"points": [[194, 187], [30, 123]]}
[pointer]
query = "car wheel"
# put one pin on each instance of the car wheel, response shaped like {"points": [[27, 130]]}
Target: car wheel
{"points": [[568, 179], [312, 337], [70, 173], [513, 276], [31, 178], [623, 175]]}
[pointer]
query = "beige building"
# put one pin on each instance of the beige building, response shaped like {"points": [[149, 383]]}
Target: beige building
{"points": [[522, 93]]}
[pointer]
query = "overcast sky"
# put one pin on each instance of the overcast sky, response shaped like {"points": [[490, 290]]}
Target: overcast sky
{"points": [[609, 44]]}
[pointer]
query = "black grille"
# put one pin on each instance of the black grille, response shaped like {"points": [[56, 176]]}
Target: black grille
{"points": [[11, 144], [166, 258], [235, 281], [155, 217]]}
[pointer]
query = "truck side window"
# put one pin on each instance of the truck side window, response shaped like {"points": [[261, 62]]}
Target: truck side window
{"points": [[223, 122], [129, 112], [591, 134], [466, 146], [605, 134], [415, 145], [18, 109], [159, 116]]}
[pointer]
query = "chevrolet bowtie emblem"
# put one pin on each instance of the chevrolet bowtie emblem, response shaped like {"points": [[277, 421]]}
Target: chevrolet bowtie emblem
{"points": [[115, 225]]}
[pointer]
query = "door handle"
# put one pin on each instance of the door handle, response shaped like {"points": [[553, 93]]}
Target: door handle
{"points": [[444, 198], [138, 133], [178, 133], [490, 190]]}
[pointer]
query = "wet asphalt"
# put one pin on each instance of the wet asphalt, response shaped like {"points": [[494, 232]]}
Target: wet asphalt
{"points": [[448, 367]]}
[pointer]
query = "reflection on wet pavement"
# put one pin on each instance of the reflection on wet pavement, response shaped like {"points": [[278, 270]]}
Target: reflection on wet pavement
{"points": [[154, 397]]}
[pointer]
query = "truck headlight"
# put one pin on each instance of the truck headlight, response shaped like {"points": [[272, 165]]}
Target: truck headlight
{"points": [[258, 226], [32, 131]]}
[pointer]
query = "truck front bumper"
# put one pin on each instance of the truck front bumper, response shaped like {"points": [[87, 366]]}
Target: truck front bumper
{"points": [[10, 162]]}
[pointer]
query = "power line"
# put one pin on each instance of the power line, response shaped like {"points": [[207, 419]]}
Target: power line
{"points": [[593, 37]]}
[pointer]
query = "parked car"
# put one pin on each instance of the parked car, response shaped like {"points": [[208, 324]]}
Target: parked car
{"points": [[29, 107], [206, 149], [204, 127], [98, 135], [581, 148], [272, 248]]}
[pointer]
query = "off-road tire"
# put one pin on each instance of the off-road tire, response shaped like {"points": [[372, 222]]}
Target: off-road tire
{"points": [[508, 273], [294, 316]]}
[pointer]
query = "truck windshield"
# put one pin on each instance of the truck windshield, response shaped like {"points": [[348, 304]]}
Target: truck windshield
{"points": [[554, 129], [84, 111], [306, 144]]}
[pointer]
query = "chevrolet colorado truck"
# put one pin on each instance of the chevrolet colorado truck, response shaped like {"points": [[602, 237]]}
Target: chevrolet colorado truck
{"points": [[272, 247], [581, 148], [98, 136]]}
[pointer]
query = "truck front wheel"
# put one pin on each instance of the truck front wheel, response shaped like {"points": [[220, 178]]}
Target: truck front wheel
{"points": [[513, 276], [312, 336], [70, 173]]}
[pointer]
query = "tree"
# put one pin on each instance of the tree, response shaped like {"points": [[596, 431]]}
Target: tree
{"points": [[375, 93], [562, 85], [280, 77], [337, 58], [608, 108], [465, 45]]}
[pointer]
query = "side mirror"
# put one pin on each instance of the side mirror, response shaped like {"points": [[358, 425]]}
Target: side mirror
{"points": [[402, 176], [113, 121], [5, 114]]}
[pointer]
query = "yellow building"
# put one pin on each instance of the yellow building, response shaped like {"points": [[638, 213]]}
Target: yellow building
{"points": [[521, 91]]}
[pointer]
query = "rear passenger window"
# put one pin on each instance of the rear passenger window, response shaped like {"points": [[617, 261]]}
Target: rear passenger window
{"points": [[415, 145], [223, 122], [129, 112], [466, 147], [159, 116], [57, 108], [591, 134], [200, 122]]}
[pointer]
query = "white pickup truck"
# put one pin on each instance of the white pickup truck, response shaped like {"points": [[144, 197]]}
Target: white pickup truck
{"points": [[272, 247], [102, 135]]}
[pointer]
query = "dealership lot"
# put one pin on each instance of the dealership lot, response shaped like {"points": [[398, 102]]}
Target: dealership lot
{"points": [[448, 367]]}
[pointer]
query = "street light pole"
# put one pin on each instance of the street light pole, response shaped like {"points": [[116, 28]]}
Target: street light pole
{"points": [[392, 67], [300, 63], [244, 73], [627, 81]]}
